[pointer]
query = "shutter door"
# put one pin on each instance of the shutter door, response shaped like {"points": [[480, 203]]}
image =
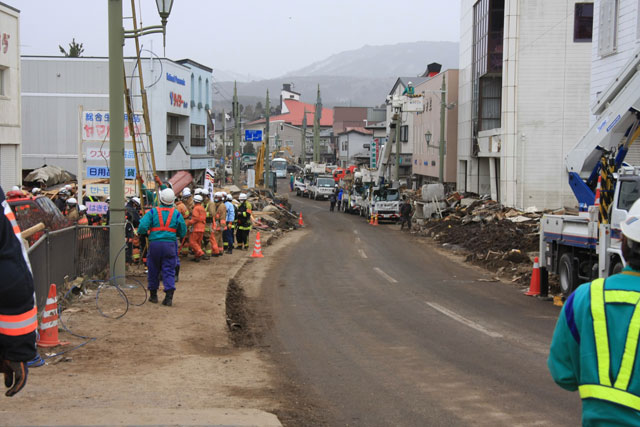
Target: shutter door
{"points": [[8, 164]]}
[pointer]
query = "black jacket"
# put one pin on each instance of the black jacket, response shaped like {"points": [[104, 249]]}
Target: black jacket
{"points": [[16, 289]]}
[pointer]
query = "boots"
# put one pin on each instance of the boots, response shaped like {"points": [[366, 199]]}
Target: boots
{"points": [[153, 296], [177, 272], [168, 298]]}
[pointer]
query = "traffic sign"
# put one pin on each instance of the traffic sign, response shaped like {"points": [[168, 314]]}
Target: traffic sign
{"points": [[252, 135], [237, 154]]}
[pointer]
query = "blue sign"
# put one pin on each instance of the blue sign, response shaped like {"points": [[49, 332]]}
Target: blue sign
{"points": [[175, 79], [103, 172], [253, 135]]}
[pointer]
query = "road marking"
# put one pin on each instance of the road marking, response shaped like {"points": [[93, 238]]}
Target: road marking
{"points": [[463, 320], [385, 275], [357, 240], [362, 254], [355, 231]]}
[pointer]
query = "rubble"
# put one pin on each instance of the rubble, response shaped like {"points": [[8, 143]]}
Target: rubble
{"points": [[272, 212], [502, 240]]}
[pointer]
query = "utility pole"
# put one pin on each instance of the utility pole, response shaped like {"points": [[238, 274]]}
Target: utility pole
{"points": [[116, 140], [398, 120], [316, 128], [224, 133], [443, 106], [236, 136], [304, 138], [267, 160]]}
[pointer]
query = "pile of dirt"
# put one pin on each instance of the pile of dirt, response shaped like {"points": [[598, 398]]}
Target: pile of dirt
{"points": [[272, 212], [238, 315]]}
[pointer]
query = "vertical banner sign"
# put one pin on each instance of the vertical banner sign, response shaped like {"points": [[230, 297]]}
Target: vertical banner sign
{"points": [[209, 178], [374, 149]]}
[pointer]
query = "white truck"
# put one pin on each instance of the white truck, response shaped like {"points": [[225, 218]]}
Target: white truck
{"points": [[385, 203], [322, 187], [580, 248]]}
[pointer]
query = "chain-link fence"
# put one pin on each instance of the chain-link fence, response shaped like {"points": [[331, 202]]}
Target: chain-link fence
{"points": [[67, 253]]}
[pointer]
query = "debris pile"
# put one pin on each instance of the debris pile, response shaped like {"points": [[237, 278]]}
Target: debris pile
{"points": [[503, 240], [272, 212]]}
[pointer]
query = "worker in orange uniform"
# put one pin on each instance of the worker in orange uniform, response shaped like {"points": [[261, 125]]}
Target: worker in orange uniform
{"points": [[210, 247], [220, 220], [183, 248], [82, 215], [198, 223]]}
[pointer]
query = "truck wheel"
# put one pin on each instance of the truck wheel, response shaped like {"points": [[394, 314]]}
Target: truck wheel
{"points": [[567, 274]]}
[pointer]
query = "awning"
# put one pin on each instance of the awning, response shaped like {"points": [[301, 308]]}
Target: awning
{"points": [[180, 180]]}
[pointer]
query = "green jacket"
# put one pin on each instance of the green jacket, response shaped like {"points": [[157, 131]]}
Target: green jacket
{"points": [[157, 227], [573, 357]]}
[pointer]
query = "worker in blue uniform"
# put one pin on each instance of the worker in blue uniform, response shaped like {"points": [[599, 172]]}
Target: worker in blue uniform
{"points": [[165, 227], [18, 313], [595, 344], [227, 234]]}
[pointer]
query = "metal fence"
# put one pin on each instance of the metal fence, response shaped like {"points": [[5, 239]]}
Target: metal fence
{"points": [[67, 253]]}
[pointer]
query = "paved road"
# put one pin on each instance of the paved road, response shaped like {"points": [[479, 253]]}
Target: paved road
{"points": [[387, 331]]}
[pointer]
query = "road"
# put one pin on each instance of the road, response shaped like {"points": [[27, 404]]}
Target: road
{"points": [[385, 330]]}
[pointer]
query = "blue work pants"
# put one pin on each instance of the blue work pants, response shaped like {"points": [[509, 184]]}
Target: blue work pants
{"points": [[162, 258]]}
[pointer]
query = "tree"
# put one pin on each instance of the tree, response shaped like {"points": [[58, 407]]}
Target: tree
{"points": [[248, 148], [75, 49], [248, 112], [258, 110]]}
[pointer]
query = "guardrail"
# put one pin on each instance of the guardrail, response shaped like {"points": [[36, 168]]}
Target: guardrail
{"points": [[67, 253]]}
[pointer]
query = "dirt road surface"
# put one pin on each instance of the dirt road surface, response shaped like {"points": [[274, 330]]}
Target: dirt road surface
{"points": [[158, 365]]}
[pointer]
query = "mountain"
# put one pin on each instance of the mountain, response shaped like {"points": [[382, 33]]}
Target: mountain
{"points": [[402, 59], [228, 76], [361, 77]]}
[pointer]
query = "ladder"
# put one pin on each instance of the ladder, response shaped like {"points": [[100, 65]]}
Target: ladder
{"points": [[142, 141]]}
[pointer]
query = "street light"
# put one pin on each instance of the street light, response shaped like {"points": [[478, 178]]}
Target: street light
{"points": [[164, 9], [427, 137]]}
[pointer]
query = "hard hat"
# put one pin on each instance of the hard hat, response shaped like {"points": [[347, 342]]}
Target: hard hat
{"points": [[63, 192], [410, 83], [34, 190], [229, 197], [204, 192], [198, 191], [631, 225], [72, 201], [167, 196], [217, 196], [16, 188], [186, 192], [223, 194], [82, 208], [197, 198], [135, 200], [68, 187], [108, 199], [242, 196]]}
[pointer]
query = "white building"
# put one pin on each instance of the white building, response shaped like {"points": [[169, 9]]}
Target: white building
{"points": [[354, 146], [60, 96], [10, 117], [523, 98]]}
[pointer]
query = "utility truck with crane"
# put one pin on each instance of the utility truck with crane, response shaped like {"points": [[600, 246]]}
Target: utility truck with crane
{"points": [[580, 248]]}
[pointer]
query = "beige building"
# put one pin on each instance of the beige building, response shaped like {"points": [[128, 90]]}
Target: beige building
{"points": [[10, 106], [426, 130]]}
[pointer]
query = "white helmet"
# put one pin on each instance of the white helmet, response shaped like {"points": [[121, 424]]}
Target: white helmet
{"points": [[217, 196], [136, 200], [410, 83], [223, 194], [82, 208], [204, 192], [68, 187], [167, 196], [197, 198], [16, 188], [631, 226], [229, 197], [63, 192], [108, 199], [198, 191], [72, 201], [242, 196], [186, 192], [34, 190]]}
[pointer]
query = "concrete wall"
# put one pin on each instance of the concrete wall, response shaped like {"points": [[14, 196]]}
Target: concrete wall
{"points": [[468, 182], [355, 145], [10, 102]]}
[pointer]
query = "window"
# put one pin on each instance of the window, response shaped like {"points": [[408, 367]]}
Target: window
{"points": [[608, 30], [3, 85], [206, 88], [404, 133], [583, 22], [197, 136], [199, 92], [488, 34], [193, 88], [174, 125]]}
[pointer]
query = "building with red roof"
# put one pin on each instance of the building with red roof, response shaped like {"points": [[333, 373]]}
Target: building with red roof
{"points": [[293, 112]]}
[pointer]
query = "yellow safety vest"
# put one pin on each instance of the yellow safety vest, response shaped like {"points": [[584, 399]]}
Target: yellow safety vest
{"points": [[616, 393]]}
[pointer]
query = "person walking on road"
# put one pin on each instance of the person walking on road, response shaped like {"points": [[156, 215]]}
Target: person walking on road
{"points": [[164, 224], [405, 213], [198, 223], [228, 231], [243, 221], [595, 344], [291, 181], [340, 195], [18, 312]]}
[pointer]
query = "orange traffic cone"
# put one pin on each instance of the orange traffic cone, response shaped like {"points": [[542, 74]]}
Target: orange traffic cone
{"points": [[598, 189], [257, 249], [375, 222], [371, 220], [300, 222], [49, 322], [534, 286]]}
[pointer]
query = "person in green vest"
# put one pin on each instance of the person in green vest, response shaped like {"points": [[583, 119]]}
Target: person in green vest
{"points": [[595, 344]]}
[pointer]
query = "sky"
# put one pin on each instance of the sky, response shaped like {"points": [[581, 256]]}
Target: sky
{"points": [[264, 39]]}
